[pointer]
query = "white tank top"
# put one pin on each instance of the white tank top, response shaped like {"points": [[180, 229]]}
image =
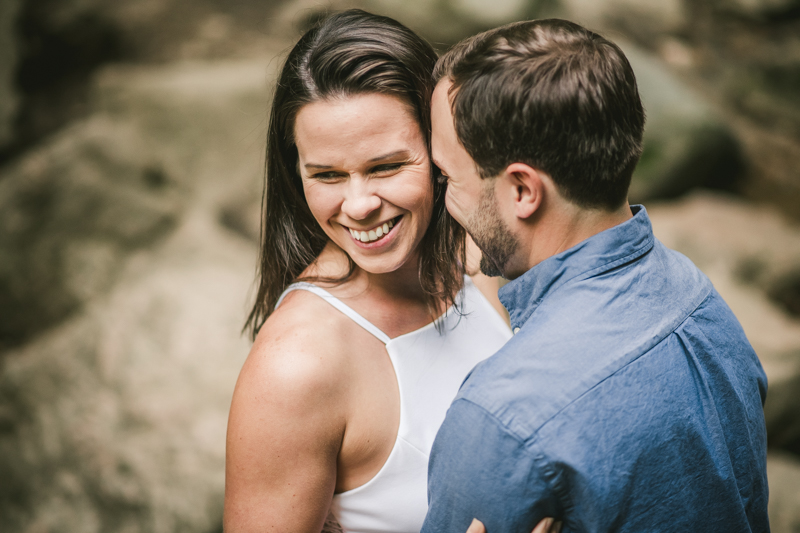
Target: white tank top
{"points": [[430, 368]]}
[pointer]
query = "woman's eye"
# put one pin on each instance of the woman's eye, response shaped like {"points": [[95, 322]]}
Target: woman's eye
{"points": [[326, 176], [391, 167]]}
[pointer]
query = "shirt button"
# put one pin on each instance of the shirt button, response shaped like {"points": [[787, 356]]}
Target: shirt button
{"points": [[516, 330]]}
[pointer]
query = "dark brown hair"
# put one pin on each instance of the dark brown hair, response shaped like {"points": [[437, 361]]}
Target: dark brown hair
{"points": [[348, 53], [553, 95]]}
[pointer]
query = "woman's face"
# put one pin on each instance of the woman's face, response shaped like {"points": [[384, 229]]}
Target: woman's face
{"points": [[367, 177]]}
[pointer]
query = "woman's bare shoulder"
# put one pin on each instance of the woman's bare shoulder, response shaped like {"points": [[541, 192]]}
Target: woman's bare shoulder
{"points": [[287, 420], [293, 388], [300, 347]]}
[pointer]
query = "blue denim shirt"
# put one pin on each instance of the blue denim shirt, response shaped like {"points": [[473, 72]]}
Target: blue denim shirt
{"points": [[628, 400]]}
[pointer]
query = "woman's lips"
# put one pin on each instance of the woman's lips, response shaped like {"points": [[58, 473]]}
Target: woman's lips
{"points": [[374, 234]]}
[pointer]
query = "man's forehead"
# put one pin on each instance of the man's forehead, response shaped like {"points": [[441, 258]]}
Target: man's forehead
{"points": [[441, 114], [442, 124], [441, 92]]}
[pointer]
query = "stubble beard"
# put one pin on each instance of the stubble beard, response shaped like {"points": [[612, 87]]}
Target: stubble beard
{"points": [[491, 235]]}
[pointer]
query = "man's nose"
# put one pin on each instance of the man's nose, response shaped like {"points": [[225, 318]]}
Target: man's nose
{"points": [[360, 200]]}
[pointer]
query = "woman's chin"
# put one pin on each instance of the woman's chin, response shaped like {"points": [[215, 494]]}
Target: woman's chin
{"points": [[377, 266], [385, 263]]}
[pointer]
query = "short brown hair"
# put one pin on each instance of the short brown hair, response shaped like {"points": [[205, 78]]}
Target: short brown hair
{"points": [[553, 95]]}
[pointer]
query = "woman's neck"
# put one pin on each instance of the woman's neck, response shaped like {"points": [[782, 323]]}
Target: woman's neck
{"points": [[402, 283], [394, 301]]}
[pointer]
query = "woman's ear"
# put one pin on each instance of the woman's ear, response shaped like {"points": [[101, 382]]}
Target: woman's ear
{"points": [[526, 186]]}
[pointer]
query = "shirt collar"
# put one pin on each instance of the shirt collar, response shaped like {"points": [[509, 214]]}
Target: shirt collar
{"points": [[597, 254]]}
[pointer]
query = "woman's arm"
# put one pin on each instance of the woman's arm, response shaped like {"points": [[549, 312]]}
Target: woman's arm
{"points": [[284, 432]]}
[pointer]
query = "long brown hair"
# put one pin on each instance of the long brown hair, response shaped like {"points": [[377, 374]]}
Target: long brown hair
{"points": [[348, 53]]}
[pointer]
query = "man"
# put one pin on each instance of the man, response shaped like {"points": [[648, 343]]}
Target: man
{"points": [[629, 398]]}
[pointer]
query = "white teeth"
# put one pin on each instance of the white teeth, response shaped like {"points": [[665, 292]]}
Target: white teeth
{"points": [[373, 234]]}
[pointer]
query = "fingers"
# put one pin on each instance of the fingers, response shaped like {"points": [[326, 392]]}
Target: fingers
{"points": [[476, 527], [547, 525]]}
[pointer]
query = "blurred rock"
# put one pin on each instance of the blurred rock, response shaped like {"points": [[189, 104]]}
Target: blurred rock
{"points": [[769, 93], [646, 16], [117, 265], [210, 120], [686, 144], [243, 216], [783, 472], [8, 63], [115, 420], [63, 42], [747, 250], [442, 22], [760, 9], [491, 13], [60, 44], [69, 212], [146, 30], [72, 210]]}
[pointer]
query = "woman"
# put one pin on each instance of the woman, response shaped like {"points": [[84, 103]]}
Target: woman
{"points": [[364, 332]]}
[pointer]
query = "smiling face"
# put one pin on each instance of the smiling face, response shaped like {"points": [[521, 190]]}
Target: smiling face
{"points": [[367, 177]]}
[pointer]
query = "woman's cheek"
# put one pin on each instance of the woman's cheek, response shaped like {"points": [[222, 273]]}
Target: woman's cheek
{"points": [[321, 199], [421, 192]]}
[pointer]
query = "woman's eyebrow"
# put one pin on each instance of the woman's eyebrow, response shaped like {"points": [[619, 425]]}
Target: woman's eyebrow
{"points": [[404, 153]]}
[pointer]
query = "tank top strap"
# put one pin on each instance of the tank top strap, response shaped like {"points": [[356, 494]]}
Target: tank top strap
{"points": [[338, 304]]}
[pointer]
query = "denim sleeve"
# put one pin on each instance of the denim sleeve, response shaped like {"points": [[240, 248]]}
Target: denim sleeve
{"points": [[478, 469]]}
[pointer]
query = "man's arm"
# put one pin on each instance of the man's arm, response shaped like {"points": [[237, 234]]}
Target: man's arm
{"points": [[479, 469]]}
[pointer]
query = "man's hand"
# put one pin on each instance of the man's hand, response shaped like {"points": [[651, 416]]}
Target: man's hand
{"points": [[547, 525]]}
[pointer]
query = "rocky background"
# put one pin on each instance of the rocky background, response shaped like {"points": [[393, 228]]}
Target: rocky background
{"points": [[131, 152]]}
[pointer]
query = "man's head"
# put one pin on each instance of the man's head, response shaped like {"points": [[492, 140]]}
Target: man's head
{"points": [[546, 97]]}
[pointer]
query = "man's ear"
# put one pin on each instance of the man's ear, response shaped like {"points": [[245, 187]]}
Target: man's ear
{"points": [[527, 188]]}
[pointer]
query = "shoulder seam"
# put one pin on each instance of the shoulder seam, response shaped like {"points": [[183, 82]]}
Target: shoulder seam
{"points": [[522, 440], [626, 365]]}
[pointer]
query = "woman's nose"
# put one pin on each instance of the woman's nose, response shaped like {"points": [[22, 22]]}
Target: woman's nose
{"points": [[360, 202]]}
